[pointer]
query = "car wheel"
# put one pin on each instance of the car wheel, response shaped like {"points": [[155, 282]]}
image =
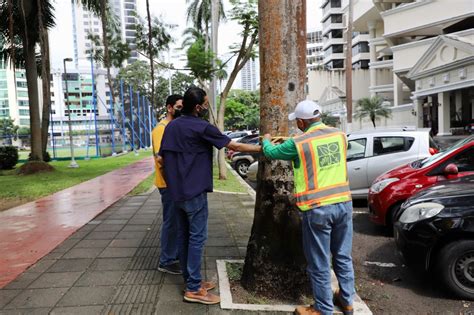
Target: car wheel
{"points": [[242, 167], [456, 267]]}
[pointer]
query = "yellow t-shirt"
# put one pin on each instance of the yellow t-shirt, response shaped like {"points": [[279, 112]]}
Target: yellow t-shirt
{"points": [[157, 136]]}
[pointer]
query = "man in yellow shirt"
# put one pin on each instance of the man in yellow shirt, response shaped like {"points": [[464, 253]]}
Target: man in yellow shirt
{"points": [[169, 248]]}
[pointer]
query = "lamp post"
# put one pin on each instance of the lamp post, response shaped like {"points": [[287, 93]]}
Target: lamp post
{"points": [[73, 163]]}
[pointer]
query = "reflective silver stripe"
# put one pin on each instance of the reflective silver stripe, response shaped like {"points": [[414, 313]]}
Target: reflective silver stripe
{"points": [[315, 133], [309, 165], [324, 193]]}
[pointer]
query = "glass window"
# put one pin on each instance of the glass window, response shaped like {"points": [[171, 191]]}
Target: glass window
{"points": [[386, 145], [464, 160], [24, 112], [356, 149]]}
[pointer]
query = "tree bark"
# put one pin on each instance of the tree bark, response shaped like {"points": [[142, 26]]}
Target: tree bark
{"points": [[275, 263], [32, 83], [150, 53], [46, 83], [105, 41]]}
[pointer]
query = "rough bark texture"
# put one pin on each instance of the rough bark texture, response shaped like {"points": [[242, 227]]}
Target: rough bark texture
{"points": [[275, 262], [105, 41]]}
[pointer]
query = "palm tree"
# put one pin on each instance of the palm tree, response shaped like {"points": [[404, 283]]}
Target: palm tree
{"points": [[21, 31], [373, 108], [199, 14]]}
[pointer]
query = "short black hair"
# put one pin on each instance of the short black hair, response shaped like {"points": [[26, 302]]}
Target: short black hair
{"points": [[172, 99], [192, 97]]}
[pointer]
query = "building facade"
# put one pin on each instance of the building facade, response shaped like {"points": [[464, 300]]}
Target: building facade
{"points": [[314, 50], [423, 66], [249, 75]]}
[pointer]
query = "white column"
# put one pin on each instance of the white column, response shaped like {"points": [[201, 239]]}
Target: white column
{"points": [[458, 100], [418, 111], [397, 91], [373, 55], [443, 114]]}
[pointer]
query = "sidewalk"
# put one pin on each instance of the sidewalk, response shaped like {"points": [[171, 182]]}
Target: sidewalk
{"points": [[109, 265], [30, 231]]}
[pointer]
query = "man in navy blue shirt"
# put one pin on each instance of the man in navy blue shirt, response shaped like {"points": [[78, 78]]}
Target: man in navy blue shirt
{"points": [[186, 150]]}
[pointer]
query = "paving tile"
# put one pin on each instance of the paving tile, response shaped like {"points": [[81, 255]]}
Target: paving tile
{"points": [[111, 264], [114, 222], [80, 296], [109, 228], [36, 298], [135, 308], [99, 278], [140, 221], [221, 251], [27, 311], [134, 242], [101, 235], [142, 277], [111, 252], [140, 293], [6, 296], [23, 280], [182, 308], [92, 244], [66, 265], [83, 253], [42, 265], [173, 279], [136, 227], [131, 234], [77, 310], [56, 280], [220, 242]]}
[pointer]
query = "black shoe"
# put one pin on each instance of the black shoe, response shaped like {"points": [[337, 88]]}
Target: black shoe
{"points": [[173, 269]]}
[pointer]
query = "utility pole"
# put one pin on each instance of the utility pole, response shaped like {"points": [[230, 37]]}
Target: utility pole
{"points": [[348, 67], [214, 34], [73, 163]]}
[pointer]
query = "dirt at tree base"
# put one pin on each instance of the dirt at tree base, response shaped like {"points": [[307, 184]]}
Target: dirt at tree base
{"points": [[33, 167]]}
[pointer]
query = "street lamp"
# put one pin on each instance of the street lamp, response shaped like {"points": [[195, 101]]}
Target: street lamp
{"points": [[73, 163]]}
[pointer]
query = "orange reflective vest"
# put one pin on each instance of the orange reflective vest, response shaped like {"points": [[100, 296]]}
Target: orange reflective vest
{"points": [[321, 176]]}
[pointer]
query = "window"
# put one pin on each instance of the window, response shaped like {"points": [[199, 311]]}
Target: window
{"points": [[386, 145], [3, 84], [21, 84], [464, 161], [22, 94], [24, 112], [3, 93], [356, 149]]}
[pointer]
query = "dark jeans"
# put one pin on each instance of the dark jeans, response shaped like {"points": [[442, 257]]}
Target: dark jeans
{"points": [[169, 229], [192, 234], [327, 231]]}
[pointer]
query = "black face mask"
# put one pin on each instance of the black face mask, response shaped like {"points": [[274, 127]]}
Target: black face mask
{"points": [[203, 112], [177, 113]]}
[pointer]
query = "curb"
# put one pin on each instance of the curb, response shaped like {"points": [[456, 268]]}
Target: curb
{"points": [[250, 190]]}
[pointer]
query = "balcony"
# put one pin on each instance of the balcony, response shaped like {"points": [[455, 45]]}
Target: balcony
{"points": [[386, 88], [360, 56], [360, 38], [327, 11], [333, 56], [405, 21], [363, 12], [385, 64], [333, 41]]}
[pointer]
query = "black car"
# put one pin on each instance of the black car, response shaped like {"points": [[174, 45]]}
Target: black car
{"points": [[435, 230], [242, 160]]}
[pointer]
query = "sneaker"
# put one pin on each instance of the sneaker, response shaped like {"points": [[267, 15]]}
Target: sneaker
{"points": [[201, 296], [307, 310], [173, 269], [346, 309]]}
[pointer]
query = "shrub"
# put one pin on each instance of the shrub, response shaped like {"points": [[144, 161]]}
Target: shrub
{"points": [[8, 157]]}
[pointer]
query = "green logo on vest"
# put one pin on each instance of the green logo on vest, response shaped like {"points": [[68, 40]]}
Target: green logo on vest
{"points": [[329, 154]]}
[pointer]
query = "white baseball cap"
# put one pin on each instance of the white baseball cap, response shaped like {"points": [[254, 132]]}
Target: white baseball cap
{"points": [[305, 110]]}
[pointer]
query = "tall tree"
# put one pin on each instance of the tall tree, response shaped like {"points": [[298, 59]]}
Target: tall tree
{"points": [[150, 54], [373, 108], [19, 27], [104, 8], [275, 263], [244, 12], [199, 14]]}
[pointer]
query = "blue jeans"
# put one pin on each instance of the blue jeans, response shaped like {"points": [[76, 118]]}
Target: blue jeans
{"points": [[192, 234], [328, 230], [169, 228]]}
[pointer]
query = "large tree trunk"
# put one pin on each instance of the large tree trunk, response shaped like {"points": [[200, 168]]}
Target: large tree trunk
{"points": [[105, 41], [32, 83], [46, 83], [150, 53], [275, 263]]}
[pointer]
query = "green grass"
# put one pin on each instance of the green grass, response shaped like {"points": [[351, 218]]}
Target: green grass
{"points": [[231, 184], [31, 187], [62, 152]]}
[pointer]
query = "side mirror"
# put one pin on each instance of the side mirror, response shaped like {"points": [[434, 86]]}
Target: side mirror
{"points": [[450, 170]]}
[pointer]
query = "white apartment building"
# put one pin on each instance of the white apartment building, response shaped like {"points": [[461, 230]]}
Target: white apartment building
{"points": [[314, 50], [421, 59], [85, 22], [249, 74], [334, 24]]}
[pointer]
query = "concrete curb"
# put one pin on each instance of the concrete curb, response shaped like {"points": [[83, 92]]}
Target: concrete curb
{"points": [[250, 190]]}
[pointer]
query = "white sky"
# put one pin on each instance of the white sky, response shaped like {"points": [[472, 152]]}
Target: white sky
{"points": [[172, 11]]}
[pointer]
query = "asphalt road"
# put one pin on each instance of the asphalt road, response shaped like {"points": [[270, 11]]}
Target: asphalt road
{"points": [[386, 284]]}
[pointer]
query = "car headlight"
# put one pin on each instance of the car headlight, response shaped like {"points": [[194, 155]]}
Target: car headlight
{"points": [[420, 212], [380, 185]]}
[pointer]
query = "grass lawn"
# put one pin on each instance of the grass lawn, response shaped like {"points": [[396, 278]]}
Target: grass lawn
{"points": [[231, 184], [65, 151], [15, 189]]}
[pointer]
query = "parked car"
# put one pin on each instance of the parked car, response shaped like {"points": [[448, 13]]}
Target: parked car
{"points": [[237, 135], [371, 153], [391, 189], [242, 160], [435, 230]]}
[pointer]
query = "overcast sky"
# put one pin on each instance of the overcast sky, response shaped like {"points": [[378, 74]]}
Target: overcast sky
{"points": [[172, 11]]}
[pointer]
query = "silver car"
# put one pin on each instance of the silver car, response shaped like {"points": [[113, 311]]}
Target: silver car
{"points": [[371, 153]]}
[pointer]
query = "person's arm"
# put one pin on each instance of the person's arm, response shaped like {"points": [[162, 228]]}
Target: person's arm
{"points": [[285, 151], [243, 147]]}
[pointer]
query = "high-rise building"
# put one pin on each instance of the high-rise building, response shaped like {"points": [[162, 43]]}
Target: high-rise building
{"points": [[249, 76], [314, 50], [334, 24], [86, 22]]}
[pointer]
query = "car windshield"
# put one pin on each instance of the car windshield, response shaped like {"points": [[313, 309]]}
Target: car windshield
{"points": [[434, 158]]}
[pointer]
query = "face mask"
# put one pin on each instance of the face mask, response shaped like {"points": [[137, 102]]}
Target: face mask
{"points": [[177, 113], [203, 112]]}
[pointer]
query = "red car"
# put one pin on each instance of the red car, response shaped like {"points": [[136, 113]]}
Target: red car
{"points": [[394, 187]]}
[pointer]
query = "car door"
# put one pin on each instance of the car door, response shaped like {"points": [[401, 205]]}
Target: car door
{"points": [[389, 152], [464, 160], [357, 163]]}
